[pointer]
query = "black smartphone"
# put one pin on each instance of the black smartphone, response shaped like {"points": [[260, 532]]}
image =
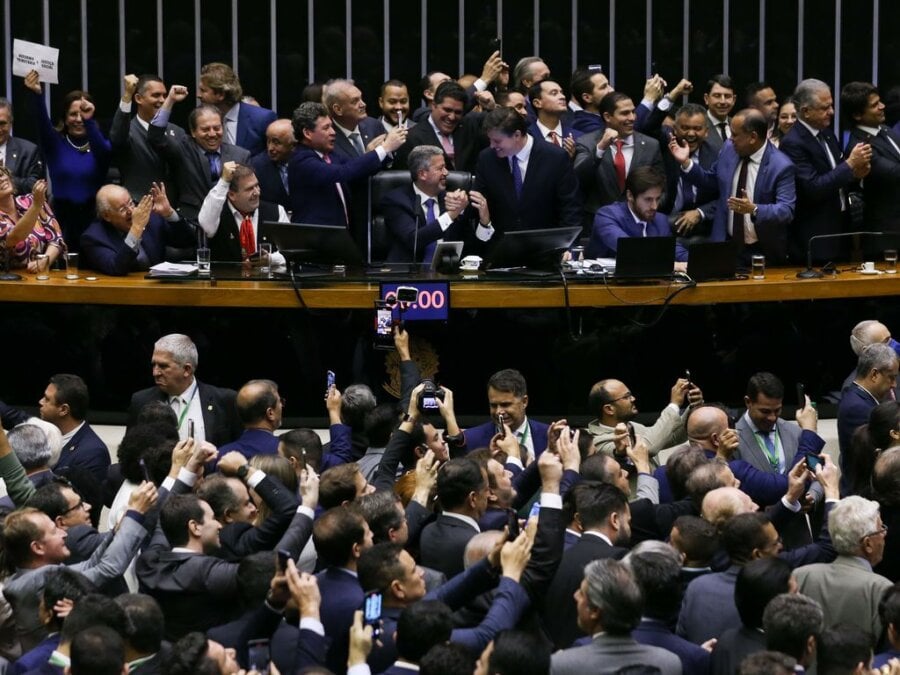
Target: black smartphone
{"points": [[512, 522], [144, 470], [812, 461], [283, 557], [496, 45], [384, 326], [632, 434], [303, 459], [329, 382], [801, 396], [258, 655], [191, 429], [372, 613], [687, 376]]}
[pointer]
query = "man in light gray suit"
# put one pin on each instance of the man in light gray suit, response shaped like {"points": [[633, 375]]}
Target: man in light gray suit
{"points": [[604, 158], [766, 440], [609, 605]]}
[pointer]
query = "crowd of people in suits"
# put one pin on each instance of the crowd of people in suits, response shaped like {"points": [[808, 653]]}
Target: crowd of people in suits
{"points": [[741, 166], [705, 541]]}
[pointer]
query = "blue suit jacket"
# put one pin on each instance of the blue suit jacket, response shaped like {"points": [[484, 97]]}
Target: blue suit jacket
{"points": [[708, 608], [480, 436], [615, 221], [694, 659], [567, 130], [853, 411], [251, 127], [341, 595], [87, 451], [104, 248], [407, 228], [251, 443], [586, 122], [269, 177], [774, 195], [312, 184], [35, 658]]}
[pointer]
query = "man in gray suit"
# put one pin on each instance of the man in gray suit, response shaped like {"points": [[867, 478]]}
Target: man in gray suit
{"points": [[609, 605], [21, 157], [139, 164], [766, 440], [604, 158]]}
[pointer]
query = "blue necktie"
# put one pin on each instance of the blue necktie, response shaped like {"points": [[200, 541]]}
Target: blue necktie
{"points": [[430, 217], [517, 175], [282, 170], [215, 165]]}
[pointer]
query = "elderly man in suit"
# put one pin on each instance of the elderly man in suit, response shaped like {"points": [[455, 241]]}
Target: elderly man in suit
{"points": [[21, 157], [271, 166], [244, 124], [210, 410], [824, 175], [197, 160], [605, 158], [318, 177], [139, 164], [609, 606], [423, 213], [756, 188]]}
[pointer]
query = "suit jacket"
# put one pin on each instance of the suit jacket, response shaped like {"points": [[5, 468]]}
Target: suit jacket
{"points": [[560, 616], [694, 659], [789, 434], [342, 596], [774, 195], [23, 159], [567, 130], [104, 248], [733, 646], [312, 184], [615, 221], [549, 193], [853, 411], [251, 127], [368, 129], [251, 443], [35, 658], [480, 436], [598, 176], [705, 198], [847, 590], [818, 192], [713, 137], [139, 164], [241, 539], [443, 543], [606, 654], [220, 418], [468, 141], [269, 177], [225, 244], [882, 212], [85, 450], [190, 166], [708, 608], [588, 122], [407, 228]]}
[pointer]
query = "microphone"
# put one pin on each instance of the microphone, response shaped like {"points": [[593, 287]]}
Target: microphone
{"points": [[809, 272]]}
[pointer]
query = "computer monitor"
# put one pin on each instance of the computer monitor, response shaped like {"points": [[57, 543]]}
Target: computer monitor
{"points": [[645, 257], [533, 248], [314, 244]]}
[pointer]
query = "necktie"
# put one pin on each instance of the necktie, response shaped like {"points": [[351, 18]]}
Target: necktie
{"points": [[447, 145], [430, 217], [2, 161], [737, 219], [643, 228], [554, 138], [357, 143], [340, 192], [831, 161], [282, 171], [619, 165], [881, 132], [722, 132], [516, 175], [771, 452], [248, 241], [215, 165]]}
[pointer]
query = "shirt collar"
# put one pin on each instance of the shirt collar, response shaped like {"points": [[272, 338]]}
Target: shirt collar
{"points": [[716, 121], [872, 131], [525, 152], [814, 132], [233, 111], [466, 519], [345, 130], [188, 393], [757, 156], [755, 429], [424, 197], [69, 436], [546, 130], [600, 535]]}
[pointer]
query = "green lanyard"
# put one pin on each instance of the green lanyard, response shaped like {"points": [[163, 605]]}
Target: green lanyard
{"points": [[773, 458], [187, 406]]}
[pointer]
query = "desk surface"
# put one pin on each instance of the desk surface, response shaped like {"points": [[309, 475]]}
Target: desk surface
{"points": [[779, 284]]}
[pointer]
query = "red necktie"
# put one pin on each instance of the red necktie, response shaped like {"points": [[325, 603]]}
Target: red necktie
{"points": [[248, 241], [619, 164], [554, 138]]}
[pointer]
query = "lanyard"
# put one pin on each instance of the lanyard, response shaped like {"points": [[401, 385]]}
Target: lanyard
{"points": [[187, 406], [773, 458]]}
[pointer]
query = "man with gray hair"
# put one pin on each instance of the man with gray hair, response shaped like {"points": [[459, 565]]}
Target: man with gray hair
{"points": [[865, 333], [420, 215], [609, 603], [876, 377], [824, 175], [21, 157], [847, 589], [792, 624], [210, 411]]}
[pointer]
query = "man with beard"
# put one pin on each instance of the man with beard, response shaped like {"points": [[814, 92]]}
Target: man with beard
{"points": [[394, 103]]}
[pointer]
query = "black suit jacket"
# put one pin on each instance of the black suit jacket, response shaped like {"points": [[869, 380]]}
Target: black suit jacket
{"points": [[468, 140], [560, 615], [705, 199], [23, 159], [219, 413], [226, 243], [241, 539], [881, 186], [443, 544], [139, 164], [406, 225], [549, 192], [269, 177]]}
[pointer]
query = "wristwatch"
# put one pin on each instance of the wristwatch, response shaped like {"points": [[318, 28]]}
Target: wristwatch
{"points": [[406, 417], [242, 471]]}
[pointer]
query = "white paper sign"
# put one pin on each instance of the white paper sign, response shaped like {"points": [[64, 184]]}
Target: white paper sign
{"points": [[29, 56]]}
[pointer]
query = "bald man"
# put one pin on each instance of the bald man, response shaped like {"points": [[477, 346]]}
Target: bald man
{"points": [[271, 166], [867, 333], [259, 407], [129, 237]]}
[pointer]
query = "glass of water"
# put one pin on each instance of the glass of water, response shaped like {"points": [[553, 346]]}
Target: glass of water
{"points": [[758, 266], [203, 261], [890, 261], [43, 266], [265, 267], [71, 265]]}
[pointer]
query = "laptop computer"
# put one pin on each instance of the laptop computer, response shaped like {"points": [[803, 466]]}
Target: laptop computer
{"points": [[536, 249], [712, 261], [316, 244], [639, 258]]}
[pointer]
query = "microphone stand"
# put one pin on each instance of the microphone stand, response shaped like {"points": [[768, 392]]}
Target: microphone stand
{"points": [[5, 274], [809, 272]]}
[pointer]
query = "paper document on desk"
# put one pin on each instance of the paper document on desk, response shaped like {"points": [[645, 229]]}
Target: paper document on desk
{"points": [[608, 265], [167, 269]]}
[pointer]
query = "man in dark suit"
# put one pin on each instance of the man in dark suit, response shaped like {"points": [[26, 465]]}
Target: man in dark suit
{"points": [[65, 404], [589, 87], [719, 99], [603, 159], [446, 127], [756, 189], [271, 166], [463, 490], [605, 519], [521, 184], [197, 161], [549, 103], [824, 175], [21, 157], [244, 124], [421, 214], [318, 178], [637, 216], [260, 408], [127, 237], [862, 105], [140, 166], [210, 410]]}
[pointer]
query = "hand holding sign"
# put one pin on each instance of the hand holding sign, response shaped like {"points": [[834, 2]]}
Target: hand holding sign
{"points": [[28, 56]]}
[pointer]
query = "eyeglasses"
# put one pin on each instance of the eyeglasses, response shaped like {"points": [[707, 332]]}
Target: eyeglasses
{"points": [[79, 505], [876, 533], [627, 395]]}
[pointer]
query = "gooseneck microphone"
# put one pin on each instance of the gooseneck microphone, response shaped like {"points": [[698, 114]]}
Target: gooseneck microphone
{"points": [[809, 272]]}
